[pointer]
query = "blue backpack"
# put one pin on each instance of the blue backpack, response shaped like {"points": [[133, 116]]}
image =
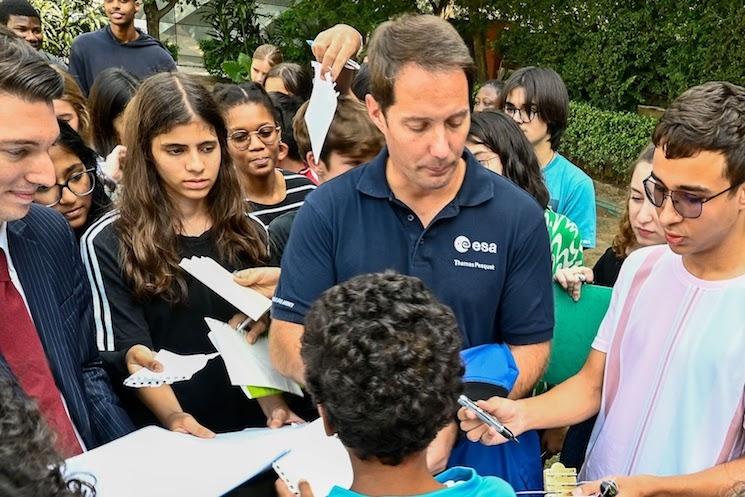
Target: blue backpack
{"points": [[519, 464]]}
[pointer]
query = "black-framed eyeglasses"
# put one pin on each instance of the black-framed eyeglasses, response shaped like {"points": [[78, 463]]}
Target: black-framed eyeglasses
{"points": [[267, 134], [80, 184], [525, 115], [688, 205]]}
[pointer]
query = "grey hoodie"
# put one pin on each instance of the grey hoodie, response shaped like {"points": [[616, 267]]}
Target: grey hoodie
{"points": [[93, 52]]}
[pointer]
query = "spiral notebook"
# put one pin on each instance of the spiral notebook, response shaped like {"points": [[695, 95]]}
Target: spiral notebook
{"points": [[317, 458]]}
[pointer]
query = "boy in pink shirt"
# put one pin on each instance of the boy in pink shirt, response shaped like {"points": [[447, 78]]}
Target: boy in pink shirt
{"points": [[665, 372]]}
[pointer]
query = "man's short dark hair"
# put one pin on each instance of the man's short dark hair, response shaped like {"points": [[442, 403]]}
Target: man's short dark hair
{"points": [[23, 73], [382, 358], [708, 117], [427, 41], [545, 89], [16, 8]]}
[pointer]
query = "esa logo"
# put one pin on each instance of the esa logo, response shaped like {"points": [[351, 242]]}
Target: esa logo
{"points": [[462, 244]]}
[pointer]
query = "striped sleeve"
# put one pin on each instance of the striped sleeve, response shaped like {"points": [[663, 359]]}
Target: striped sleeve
{"points": [[298, 187], [119, 320]]}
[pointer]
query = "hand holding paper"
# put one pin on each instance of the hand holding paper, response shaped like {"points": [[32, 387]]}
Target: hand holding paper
{"points": [[335, 46], [175, 368]]}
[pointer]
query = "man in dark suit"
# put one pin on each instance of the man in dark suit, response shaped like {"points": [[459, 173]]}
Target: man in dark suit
{"points": [[46, 322]]}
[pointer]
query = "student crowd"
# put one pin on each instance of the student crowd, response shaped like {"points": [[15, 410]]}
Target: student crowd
{"points": [[418, 254]]}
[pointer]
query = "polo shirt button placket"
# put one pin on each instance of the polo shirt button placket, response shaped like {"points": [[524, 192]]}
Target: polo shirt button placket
{"points": [[410, 217]]}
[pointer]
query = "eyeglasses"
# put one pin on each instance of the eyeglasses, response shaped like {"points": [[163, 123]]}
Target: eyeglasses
{"points": [[688, 205], [493, 162], [526, 115], [80, 184], [242, 138]]}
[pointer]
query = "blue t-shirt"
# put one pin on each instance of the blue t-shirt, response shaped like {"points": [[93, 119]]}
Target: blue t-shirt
{"points": [[460, 482], [486, 254], [572, 194]]}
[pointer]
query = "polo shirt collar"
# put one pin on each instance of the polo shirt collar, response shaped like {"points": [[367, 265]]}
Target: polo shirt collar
{"points": [[476, 189]]}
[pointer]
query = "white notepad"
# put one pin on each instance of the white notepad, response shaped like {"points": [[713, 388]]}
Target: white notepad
{"points": [[247, 364], [220, 280], [176, 367], [317, 458]]}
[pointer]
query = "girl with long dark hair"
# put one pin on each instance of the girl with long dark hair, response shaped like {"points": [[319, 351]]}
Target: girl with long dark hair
{"points": [[180, 198]]}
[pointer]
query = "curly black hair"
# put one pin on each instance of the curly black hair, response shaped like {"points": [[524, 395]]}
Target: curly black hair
{"points": [[29, 464], [382, 357]]}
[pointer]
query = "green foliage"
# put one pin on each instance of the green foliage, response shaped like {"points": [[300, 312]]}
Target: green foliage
{"points": [[616, 55], [172, 48], [605, 143], [234, 29], [239, 70], [64, 20], [306, 18]]}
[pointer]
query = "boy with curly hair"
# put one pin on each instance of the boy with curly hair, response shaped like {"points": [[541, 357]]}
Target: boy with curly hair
{"points": [[382, 363]]}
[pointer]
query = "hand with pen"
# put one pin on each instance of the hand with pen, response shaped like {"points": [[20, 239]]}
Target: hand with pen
{"points": [[507, 412]]}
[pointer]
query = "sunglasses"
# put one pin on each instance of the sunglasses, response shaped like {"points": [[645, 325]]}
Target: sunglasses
{"points": [[688, 205]]}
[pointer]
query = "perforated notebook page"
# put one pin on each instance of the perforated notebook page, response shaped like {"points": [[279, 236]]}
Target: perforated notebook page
{"points": [[220, 280], [176, 367], [317, 458]]}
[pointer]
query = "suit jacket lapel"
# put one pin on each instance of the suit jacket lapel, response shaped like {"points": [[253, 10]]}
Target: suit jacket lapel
{"points": [[36, 273]]}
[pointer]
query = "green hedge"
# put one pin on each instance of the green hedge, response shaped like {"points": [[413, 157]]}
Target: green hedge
{"points": [[605, 143], [617, 55]]}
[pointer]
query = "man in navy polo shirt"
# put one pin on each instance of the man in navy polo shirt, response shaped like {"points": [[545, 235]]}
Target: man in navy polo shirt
{"points": [[424, 207]]}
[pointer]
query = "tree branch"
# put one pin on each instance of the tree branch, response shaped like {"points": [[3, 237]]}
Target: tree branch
{"points": [[165, 10]]}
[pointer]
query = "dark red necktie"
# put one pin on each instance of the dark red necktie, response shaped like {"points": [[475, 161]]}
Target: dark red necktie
{"points": [[21, 347]]}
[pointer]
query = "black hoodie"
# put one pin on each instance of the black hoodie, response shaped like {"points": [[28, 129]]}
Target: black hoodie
{"points": [[93, 52]]}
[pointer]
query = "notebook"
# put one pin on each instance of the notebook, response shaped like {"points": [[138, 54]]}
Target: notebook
{"points": [[319, 459]]}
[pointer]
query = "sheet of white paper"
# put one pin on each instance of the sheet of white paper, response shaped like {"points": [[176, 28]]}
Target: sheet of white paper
{"points": [[176, 367], [220, 281], [321, 460], [156, 462], [320, 111], [247, 364]]}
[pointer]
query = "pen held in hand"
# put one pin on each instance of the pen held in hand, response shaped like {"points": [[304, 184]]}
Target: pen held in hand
{"points": [[487, 418]]}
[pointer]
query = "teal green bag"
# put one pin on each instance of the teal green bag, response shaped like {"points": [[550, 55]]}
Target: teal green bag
{"points": [[577, 323]]}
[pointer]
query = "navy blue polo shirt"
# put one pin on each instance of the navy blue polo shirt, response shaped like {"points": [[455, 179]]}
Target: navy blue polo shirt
{"points": [[486, 254]]}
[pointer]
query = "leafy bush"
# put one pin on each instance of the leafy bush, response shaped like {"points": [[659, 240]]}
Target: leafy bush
{"points": [[238, 70], [617, 55], [64, 20], [605, 143], [234, 30], [172, 48]]}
